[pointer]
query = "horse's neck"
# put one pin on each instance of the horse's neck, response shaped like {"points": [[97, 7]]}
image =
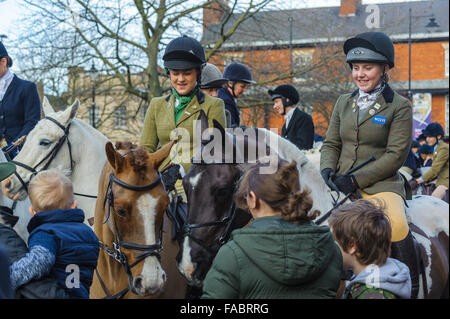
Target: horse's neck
{"points": [[309, 175], [89, 155]]}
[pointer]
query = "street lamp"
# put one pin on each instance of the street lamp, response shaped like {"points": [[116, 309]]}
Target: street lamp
{"points": [[431, 24], [93, 72]]}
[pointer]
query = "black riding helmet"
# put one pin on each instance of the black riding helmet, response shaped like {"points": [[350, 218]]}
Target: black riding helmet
{"points": [[238, 72], [370, 47], [433, 129], [4, 54], [285, 91], [184, 53]]}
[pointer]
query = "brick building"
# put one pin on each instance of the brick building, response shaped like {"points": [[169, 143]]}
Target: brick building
{"points": [[304, 47]]}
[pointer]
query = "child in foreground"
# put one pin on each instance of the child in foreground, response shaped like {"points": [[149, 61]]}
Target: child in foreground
{"points": [[59, 242], [363, 234]]}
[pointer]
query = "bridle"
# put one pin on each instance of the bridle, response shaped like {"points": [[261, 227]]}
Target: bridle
{"points": [[118, 243], [226, 221], [50, 156]]}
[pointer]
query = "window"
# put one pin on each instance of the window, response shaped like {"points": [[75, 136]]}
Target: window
{"points": [[96, 115], [302, 60], [120, 117]]}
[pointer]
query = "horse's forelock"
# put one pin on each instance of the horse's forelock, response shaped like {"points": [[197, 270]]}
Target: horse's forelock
{"points": [[138, 157]]}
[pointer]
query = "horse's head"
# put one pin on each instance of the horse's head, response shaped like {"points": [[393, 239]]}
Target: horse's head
{"points": [[41, 148], [211, 214], [134, 205]]}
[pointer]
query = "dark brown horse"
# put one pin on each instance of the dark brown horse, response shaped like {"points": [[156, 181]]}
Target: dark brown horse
{"points": [[210, 188], [137, 258]]}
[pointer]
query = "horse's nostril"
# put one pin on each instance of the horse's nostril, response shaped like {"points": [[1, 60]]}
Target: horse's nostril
{"points": [[138, 283], [164, 277]]}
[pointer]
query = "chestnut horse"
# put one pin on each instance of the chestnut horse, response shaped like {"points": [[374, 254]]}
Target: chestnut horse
{"points": [[132, 227]]}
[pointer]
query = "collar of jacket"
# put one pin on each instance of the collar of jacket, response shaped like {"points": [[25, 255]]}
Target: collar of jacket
{"points": [[387, 93], [200, 96], [56, 216]]}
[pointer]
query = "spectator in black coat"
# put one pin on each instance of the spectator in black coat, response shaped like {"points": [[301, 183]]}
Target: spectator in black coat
{"points": [[299, 126]]}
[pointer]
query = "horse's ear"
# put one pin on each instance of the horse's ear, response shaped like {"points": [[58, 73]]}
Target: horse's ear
{"points": [[47, 107], [70, 113], [202, 121], [218, 126], [74, 109], [114, 158], [160, 155]]}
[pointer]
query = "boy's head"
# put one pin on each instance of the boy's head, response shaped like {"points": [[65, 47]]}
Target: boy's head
{"points": [[425, 151], [362, 230], [50, 190]]}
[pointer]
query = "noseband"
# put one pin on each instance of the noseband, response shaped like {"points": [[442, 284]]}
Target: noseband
{"points": [[227, 221], [118, 244]]}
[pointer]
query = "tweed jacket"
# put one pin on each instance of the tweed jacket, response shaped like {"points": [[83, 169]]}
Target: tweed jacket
{"points": [[439, 168], [160, 127], [385, 131]]}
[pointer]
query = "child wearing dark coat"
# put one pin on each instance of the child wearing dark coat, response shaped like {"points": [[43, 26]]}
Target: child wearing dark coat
{"points": [[59, 242]]}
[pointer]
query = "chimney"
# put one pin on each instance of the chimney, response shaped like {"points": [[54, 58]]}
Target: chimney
{"points": [[348, 8], [214, 13]]}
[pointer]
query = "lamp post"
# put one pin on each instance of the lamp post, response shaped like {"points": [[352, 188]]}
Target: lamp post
{"points": [[93, 75], [431, 24]]}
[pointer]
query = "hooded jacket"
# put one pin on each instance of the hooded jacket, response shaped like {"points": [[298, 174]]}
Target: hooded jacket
{"points": [[371, 283], [273, 258]]}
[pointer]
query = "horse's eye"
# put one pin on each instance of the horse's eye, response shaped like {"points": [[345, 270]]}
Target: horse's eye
{"points": [[45, 142], [121, 212]]}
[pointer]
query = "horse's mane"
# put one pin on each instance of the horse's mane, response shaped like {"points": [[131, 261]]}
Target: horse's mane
{"points": [[137, 158]]}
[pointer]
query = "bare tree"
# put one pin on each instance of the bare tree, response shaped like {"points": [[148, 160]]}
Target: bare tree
{"points": [[125, 38]]}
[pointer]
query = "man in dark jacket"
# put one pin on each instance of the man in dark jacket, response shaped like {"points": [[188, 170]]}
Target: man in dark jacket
{"points": [[20, 107], [299, 126], [239, 76]]}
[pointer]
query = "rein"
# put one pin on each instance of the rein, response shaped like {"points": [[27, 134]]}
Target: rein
{"points": [[118, 243]]}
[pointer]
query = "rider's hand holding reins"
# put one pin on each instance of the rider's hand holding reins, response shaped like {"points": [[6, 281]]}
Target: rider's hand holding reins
{"points": [[346, 183]]}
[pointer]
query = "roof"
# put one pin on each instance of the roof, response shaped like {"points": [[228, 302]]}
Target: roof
{"points": [[313, 25]]}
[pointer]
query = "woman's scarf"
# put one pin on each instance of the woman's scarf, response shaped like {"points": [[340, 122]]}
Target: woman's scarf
{"points": [[183, 101], [366, 99]]}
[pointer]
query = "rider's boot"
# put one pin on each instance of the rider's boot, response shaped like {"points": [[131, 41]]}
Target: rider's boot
{"points": [[404, 250]]}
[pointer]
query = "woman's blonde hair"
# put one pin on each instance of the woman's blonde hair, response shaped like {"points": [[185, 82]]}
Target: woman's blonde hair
{"points": [[281, 191], [50, 190]]}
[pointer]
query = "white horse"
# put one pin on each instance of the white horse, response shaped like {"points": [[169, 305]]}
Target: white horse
{"points": [[83, 145]]}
